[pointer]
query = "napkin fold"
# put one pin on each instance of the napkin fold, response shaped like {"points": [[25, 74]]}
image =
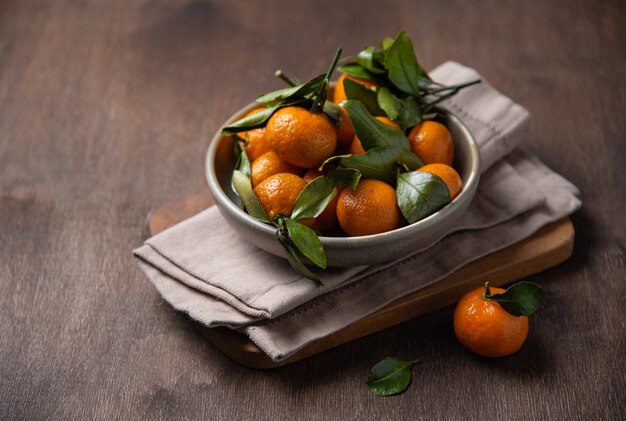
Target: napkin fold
{"points": [[204, 268]]}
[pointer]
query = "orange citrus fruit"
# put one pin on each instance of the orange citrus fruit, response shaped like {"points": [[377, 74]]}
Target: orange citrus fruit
{"points": [[370, 209], [485, 328], [300, 137], [339, 93], [257, 145], [448, 175], [269, 164], [345, 133], [357, 149], [326, 220], [278, 193], [432, 143]]}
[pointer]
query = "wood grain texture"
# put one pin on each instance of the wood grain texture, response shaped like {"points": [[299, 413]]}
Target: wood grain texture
{"points": [[106, 110]]}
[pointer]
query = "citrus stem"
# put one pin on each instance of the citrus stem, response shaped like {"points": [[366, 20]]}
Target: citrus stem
{"points": [[487, 292], [451, 87], [286, 78], [319, 98]]}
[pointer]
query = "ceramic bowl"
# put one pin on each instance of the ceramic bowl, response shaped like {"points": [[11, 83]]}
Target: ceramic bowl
{"points": [[347, 251]]}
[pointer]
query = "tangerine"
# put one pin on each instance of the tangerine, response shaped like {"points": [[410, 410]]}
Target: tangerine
{"points": [[356, 148], [339, 93], [485, 328], [257, 145], [448, 175], [278, 193], [370, 209], [345, 133], [432, 143], [269, 164], [300, 137]]}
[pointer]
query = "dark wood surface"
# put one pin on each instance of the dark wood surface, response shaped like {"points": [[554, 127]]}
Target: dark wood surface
{"points": [[106, 109]]}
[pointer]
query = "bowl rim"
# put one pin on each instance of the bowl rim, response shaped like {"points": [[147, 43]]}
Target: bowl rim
{"points": [[224, 201]]}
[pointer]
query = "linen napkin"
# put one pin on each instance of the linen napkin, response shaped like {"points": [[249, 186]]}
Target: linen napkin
{"points": [[203, 268]]}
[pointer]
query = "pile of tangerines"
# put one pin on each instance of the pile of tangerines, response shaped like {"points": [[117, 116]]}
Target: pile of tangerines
{"points": [[360, 159], [286, 153], [363, 157]]}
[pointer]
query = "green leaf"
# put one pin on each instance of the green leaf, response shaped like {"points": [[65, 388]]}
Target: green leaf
{"points": [[345, 177], [410, 113], [243, 162], [520, 299], [356, 91], [420, 194], [307, 242], [377, 163], [294, 260], [243, 188], [318, 193], [371, 132], [386, 43], [299, 91], [314, 198], [390, 377], [356, 70], [403, 69], [404, 111], [250, 122], [408, 159], [389, 103], [369, 60]]}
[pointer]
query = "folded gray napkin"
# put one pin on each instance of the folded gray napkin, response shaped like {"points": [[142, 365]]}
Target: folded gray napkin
{"points": [[203, 268]]}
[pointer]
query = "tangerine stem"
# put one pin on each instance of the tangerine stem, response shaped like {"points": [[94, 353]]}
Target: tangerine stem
{"points": [[487, 292], [286, 78], [319, 98]]}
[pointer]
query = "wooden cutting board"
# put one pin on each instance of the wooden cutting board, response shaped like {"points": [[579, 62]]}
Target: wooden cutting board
{"points": [[548, 247]]}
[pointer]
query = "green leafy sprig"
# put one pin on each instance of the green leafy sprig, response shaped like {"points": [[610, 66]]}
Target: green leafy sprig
{"points": [[311, 95], [405, 92]]}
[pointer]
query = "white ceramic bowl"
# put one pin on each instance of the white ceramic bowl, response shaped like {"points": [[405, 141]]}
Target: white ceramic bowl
{"points": [[347, 251]]}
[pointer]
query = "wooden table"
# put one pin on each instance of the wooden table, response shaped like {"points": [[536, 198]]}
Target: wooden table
{"points": [[106, 109]]}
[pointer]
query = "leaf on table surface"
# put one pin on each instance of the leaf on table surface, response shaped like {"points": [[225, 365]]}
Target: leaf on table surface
{"points": [[390, 377]]}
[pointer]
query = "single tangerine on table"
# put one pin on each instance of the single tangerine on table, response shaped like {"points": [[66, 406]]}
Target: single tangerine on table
{"points": [[269, 164], [370, 209], [339, 94], [278, 193], [300, 137], [448, 175], [432, 143], [257, 144], [357, 148], [327, 220], [485, 328]]}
